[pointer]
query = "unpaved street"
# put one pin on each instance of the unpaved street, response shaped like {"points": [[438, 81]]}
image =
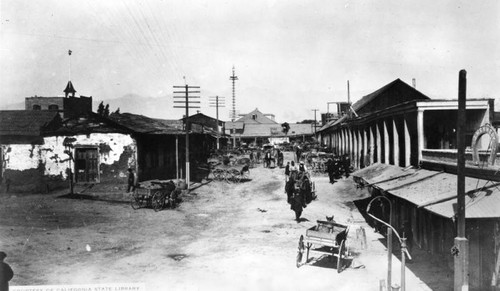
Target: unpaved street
{"points": [[221, 237]]}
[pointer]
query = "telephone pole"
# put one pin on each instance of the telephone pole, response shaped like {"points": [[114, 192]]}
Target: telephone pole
{"points": [[217, 101], [461, 248], [233, 78], [187, 104]]}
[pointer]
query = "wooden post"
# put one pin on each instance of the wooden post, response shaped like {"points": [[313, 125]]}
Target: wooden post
{"points": [[461, 261], [389, 257]]}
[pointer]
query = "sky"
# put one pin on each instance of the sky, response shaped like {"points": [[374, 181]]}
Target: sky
{"points": [[290, 57]]}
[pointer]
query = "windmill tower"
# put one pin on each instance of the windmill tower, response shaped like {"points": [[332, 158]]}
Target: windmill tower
{"points": [[233, 78]]}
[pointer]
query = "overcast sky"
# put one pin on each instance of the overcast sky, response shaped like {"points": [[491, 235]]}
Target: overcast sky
{"points": [[290, 56]]}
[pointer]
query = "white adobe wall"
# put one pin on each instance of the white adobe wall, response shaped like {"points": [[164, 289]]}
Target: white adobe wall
{"points": [[51, 153]]}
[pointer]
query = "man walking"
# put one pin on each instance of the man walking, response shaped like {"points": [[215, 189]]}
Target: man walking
{"points": [[132, 180]]}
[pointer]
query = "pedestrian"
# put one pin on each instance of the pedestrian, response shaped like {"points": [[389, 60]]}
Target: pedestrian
{"points": [[289, 190], [330, 169], [6, 273], [298, 151], [293, 170], [280, 158], [297, 205], [346, 163], [302, 167], [287, 171], [132, 180]]}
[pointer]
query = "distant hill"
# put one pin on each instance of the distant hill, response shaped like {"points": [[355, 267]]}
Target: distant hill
{"points": [[12, 106]]}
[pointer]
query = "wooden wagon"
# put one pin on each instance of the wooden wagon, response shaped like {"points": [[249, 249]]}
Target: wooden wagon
{"points": [[157, 195], [326, 237]]}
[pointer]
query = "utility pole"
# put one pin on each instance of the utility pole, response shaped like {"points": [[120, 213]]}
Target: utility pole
{"points": [[233, 78], [217, 101], [187, 105], [461, 248], [315, 121]]}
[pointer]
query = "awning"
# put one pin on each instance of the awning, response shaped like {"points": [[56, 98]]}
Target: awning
{"points": [[434, 191]]}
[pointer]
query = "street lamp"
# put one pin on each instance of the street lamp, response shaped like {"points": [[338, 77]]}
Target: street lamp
{"points": [[402, 242]]}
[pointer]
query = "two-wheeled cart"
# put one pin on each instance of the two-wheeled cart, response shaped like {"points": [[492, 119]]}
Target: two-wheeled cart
{"points": [[326, 237], [157, 196]]}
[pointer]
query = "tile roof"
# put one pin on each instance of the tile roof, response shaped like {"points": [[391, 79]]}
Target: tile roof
{"points": [[143, 124], [26, 122]]}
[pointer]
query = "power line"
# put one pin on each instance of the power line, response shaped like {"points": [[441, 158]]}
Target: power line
{"points": [[185, 94], [217, 101]]}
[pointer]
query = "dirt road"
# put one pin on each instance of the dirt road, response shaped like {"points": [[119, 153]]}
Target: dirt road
{"points": [[221, 237]]}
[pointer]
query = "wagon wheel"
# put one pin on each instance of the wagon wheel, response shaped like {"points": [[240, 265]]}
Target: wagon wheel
{"points": [[218, 174], [157, 201], [300, 251], [245, 175], [340, 256], [135, 201], [237, 176]]}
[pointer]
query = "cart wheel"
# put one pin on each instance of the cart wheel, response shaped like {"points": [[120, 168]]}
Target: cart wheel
{"points": [[300, 251], [218, 174], [340, 256], [135, 202], [157, 201]]}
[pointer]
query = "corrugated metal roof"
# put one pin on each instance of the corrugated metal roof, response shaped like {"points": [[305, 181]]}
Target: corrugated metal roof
{"points": [[25, 122], [381, 172], [482, 204], [434, 191]]}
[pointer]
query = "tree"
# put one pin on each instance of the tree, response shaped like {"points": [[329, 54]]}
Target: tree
{"points": [[286, 127], [117, 111], [100, 108], [307, 121], [106, 110]]}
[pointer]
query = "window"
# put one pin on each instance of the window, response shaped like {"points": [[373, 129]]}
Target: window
{"points": [[53, 107], [86, 165], [254, 116], [37, 107]]}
